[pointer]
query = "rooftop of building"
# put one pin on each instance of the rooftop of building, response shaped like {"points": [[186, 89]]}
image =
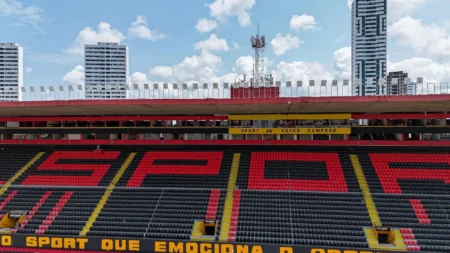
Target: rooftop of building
{"points": [[372, 104]]}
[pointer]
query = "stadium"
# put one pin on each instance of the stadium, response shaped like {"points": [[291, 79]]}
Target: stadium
{"points": [[272, 175]]}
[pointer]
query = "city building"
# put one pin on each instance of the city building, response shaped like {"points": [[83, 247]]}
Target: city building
{"points": [[11, 72], [412, 88], [106, 70], [369, 47], [398, 83]]}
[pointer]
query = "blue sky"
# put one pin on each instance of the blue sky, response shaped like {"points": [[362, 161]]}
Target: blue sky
{"points": [[305, 39]]}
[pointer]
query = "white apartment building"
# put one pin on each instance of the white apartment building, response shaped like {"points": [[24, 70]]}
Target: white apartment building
{"points": [[11, 72], [106, 70], [369, 46]]}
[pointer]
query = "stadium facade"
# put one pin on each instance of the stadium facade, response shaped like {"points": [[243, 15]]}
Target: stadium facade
{"points": [[274, 175]]}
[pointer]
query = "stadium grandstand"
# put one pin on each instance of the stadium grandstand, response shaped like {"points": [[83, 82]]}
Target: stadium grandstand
{"points": [[237, 175]]}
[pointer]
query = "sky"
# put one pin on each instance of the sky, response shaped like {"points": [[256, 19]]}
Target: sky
{"points": [[209, 41]]}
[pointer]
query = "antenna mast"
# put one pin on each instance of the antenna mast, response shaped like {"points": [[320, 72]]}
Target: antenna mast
{"points": [[258, 44]]}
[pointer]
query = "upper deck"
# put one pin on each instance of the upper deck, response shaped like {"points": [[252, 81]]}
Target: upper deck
{"points": [[350, 104]]}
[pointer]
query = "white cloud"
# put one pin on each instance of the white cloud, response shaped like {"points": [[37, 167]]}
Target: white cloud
{"points": [[282, 44], [431, 39], [349, 3], [75, 76], [298, 70], [140, 30], [197, 68], [244, 64], [213, 43], [205, 25], [30, 15], [104, 33], [139, 78], [342, 63], [223, 9], [161, 71], [399, 8], [431, 71], [303, 22], [235, 45], [28, 70]]}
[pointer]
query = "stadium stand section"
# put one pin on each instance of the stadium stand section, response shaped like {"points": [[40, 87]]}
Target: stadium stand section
{"points": [[314, 196]]}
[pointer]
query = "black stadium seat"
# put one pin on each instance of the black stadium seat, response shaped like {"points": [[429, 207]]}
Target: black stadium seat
{"points": [[283, 195]]}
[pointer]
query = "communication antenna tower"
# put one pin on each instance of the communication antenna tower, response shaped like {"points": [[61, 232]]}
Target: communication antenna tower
{"points": [[258, 44]]}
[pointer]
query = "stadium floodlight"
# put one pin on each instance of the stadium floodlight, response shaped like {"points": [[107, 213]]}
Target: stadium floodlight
{"points": [[195, 87], [420, 82], [23, 90], [71, 88], [278, 84], [51, 88], [289, 84], [215, 87], [156, 88], [205, 87], [165, 87], [334, 83], [323, 83], [299, 83], [136, 88], [80, 87], [127, 87], [175, 87], [312, 83], [43, 91]]}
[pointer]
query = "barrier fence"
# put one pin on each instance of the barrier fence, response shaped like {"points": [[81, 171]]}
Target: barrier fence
{"points": [[213, 91]]}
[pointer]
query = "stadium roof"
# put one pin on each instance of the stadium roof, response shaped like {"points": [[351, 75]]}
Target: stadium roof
{"points": [[380, 104]]}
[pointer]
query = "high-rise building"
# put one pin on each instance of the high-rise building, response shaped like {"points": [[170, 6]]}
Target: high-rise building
{"points": [[369, 46], [412, 88], [105, 70], [397, 83], [11, 72]]}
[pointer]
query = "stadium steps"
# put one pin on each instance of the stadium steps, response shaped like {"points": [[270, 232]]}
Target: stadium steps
{"points": [[197, 234], [228, 207], [106, 195], [370, 204], [20, 172], [373, 241]]}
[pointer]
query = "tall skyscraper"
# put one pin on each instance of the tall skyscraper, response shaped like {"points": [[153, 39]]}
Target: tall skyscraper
{"points": [[398, 83], [105, 70], [11, 72], [369, 46]]}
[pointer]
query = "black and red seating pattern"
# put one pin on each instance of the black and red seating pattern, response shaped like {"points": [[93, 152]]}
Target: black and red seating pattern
{"points": [[208, 169], [313, 190]]}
